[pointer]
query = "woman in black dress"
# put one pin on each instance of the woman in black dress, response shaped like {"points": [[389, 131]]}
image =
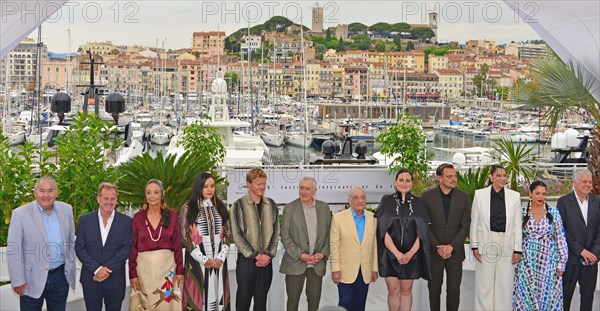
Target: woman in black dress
{"points": [[402, 224]]}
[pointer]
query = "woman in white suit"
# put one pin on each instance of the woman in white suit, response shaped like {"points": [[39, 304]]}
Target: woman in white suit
{"points": [[496, 237]]}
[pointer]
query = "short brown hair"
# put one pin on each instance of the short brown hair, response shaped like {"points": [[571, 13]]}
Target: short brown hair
{"points": [[106, 185], [439, 171], [254, 173]]}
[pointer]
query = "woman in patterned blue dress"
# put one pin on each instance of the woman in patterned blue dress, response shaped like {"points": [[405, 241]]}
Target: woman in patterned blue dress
{"points": [[538, 283]]}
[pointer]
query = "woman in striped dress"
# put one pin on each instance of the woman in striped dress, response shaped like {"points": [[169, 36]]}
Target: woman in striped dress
{"points": [[207, 234]]}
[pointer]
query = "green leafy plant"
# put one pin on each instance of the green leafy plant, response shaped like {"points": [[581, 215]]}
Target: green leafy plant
{"points": [[405, 142], [517, 159], [203, 142], [81, 156], [472, 180], [176, 174], [20, 166]]}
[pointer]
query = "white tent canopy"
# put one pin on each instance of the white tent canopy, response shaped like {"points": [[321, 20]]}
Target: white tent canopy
{"points": [[20, 18], [571, 29]]}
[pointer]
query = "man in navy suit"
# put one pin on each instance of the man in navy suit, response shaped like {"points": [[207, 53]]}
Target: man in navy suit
{"points": [[580, 213], [103, 246]]}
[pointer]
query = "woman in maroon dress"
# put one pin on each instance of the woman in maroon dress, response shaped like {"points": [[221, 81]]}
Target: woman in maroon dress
{"points": [[156, 257]]}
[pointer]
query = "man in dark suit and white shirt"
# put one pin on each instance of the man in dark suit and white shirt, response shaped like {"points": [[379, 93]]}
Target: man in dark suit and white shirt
{"points": [[103, 246], [40, 254], [305, 236], [450, 213], [580, 213]]}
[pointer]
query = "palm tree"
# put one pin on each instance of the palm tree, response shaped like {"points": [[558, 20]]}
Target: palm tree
{"points": [[559, 89], [473, 180], [177, 176], [517, 159]]}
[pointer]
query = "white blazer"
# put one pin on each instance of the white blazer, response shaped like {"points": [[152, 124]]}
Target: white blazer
{"points": [[480, 222]]}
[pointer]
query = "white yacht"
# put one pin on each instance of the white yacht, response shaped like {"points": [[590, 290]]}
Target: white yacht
{"points": [[270, 134], [15, 134], [160, 134], [241, 148], [297, 136]]}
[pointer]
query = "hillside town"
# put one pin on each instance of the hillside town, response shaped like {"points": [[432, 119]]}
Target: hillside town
{"points": [[341, 63]]}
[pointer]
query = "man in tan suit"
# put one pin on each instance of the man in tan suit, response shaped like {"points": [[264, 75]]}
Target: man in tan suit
{"points": [[305, 236], [353, 251]]}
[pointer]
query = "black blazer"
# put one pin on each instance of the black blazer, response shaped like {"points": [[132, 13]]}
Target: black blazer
{"points": [[456, 230], [113, 255], [579, 236]]}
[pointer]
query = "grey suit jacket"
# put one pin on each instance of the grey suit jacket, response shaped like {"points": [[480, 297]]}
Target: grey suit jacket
{"points": [[27, 247], [294, 236], [578, 234], [456, 229]]}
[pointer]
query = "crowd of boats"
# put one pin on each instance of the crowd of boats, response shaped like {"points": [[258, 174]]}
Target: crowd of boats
{"points": [[248, 130]]}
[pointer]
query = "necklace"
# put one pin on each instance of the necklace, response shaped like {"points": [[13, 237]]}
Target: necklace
{"points": [[150, 233]]}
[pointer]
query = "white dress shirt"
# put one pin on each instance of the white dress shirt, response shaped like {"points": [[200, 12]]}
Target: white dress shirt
{"points": [[104, 230], [583, 205]]}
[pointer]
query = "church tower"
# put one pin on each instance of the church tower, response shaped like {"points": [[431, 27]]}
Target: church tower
{"points": [[433, 22]]}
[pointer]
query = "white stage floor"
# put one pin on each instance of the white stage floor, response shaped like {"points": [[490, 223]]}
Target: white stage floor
{"points": [[376, 299]]}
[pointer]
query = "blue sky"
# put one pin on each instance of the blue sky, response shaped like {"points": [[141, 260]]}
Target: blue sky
{"points": [[145, 22]]}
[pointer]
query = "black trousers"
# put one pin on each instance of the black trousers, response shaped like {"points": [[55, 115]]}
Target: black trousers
{"points": [[112, 298], [453, 280], [253, 282], [586, 276]]}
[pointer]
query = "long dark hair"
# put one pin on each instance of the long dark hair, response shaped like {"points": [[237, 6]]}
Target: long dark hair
{"points": [[535, 184], [166, 215], [196, 196]]}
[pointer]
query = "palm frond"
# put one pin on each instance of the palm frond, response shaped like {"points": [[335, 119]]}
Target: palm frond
{"points": [[517, 159], [560, 88], [176, 174]]}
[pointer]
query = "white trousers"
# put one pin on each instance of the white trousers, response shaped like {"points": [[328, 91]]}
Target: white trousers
{"points": [[494, 276]]}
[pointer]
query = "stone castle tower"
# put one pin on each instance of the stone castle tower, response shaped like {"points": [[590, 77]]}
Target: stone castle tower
{"points": [[433, 24], [317, 19]]}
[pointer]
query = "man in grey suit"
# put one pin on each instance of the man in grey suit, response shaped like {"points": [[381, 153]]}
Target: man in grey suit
{"points": [[450, 214], [305, 236], [580, 214], [40, 250]]}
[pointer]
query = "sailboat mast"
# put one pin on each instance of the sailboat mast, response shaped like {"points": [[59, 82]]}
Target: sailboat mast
{"points": [[39, 84], [250, 76], [68, 86], [304, 88]]}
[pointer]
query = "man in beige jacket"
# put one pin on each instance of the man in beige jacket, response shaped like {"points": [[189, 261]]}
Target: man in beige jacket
{"points": [[353, 250]]}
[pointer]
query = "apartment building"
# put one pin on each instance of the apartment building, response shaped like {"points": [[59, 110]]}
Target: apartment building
{"points": [[450, 83], [99, 48], [482, 47], [254, 42], [436, 62], [19, 67], [208, 43], [526, 50]]}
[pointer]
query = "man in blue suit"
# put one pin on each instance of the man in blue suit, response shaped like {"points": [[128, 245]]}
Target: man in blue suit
{"points": [[103, 246], [41, 259]]}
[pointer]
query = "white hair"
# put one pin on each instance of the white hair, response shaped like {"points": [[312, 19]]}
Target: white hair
{"points": [[577, 174], [308, 178]]}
